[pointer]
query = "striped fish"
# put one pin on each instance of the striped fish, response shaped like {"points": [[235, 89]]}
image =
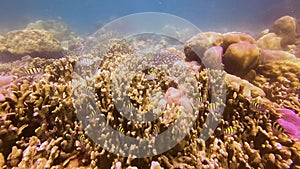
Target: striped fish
{"points": [[81, 137], [129, 107], [151, 76], [256, 106], [155, 130], [229, 131], [121, 129], [32, 71], [278, 127], [200, 99], [212, 107], [93, 113]]}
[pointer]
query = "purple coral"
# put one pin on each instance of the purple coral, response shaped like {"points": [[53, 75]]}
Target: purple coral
{"points": [[5, 80], [290, 122]]}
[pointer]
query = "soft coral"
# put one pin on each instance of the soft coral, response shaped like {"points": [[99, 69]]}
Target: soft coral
{"points": [[290, 122]]}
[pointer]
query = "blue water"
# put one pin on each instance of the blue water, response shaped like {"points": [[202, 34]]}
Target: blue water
{"points": [[86, 16]]}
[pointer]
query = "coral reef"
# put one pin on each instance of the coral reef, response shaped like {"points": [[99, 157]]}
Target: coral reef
{"points": [[46, 117], [242, 53], [19, 43], [237, 51]]}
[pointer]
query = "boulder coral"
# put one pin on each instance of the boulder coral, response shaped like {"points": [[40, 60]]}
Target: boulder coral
{"points": [[195, 47], [236, 51], [241, 57], [236, 37], [268, 56], [59, 31], [285, 27], [269, 41], [213, 58], [31, 42]]}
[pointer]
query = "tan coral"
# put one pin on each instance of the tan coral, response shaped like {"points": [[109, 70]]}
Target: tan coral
{"points": [[241, 57], [285, 27], [268, 56], [29, 42], [236, 37], [197, 45], [269, 41]]}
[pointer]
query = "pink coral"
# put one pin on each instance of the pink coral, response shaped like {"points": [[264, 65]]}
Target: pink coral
{"points": [[5, 80], [1, 96], [290, 122], [213, 57], [178, 97], [193, 65]]}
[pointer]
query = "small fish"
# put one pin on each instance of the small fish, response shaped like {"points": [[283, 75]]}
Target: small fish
{"points": [[212, 106], [150, 54], [86, 62], [32, 71], [93, 113], [229, 131], [151, 76], [256, 106], [81, 137], [199, 101], [278, 127], [121, 129], [155, 131], [129, 106]]}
